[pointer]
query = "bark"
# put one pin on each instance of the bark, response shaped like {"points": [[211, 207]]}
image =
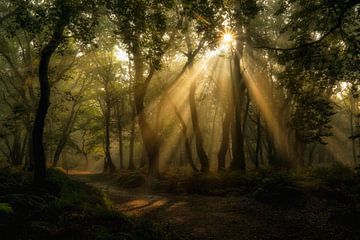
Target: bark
{"points": [[120, 132], [258, 141], [225, 140], [16, 148], [44, 102], [30, 162], [239, 88], [149, 137], [199, 142], [143, 159], [352, 133], [65, 135], [271, 151], [187, 141], [83, 149], [108, 163], [131, 144], [212, 138], [133, 117]]}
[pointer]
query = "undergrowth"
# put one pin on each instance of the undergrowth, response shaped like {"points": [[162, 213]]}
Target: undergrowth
{"points": [[64, 209]]}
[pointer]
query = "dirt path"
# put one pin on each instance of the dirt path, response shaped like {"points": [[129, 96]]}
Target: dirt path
{"points": [[211, 217]]}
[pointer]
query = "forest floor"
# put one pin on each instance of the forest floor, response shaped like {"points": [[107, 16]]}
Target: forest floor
{"points": [[230, 216]]}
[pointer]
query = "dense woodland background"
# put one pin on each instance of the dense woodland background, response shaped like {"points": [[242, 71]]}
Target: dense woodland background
{"points": [[179, 87]]}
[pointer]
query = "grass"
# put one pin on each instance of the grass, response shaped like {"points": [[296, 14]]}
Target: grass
{"points": [[64, 209]]}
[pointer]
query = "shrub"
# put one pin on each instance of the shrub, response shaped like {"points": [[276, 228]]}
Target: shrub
{"points": [[279, 188], [335, 176], [130, 179], [5, 209], [65, 209]]}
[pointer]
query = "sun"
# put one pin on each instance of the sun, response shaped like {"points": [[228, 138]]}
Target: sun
{"points": [[228, 38], [227, 41]]}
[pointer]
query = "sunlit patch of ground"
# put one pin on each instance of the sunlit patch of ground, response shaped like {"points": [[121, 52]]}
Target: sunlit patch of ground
{"points": [[79, 172], [229, 217], [141, 206]]}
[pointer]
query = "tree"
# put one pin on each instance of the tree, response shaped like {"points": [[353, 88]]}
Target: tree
{"points": [[142, 26], [55, 21]]}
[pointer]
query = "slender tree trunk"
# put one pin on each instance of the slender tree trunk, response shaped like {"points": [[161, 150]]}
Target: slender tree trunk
{"points": [[83, 150], [131, 165], [29, 163], [186, 141], [44, 102], [131, 145], [109, 165], [59, 148], [271, 150], [65, 135], [149, 137], [258, 141], [225, 139], [120, 132], [199, 142], [86, 160], [353, 139], [239, 88], [212, 136], [16, 148], [143, 159]]}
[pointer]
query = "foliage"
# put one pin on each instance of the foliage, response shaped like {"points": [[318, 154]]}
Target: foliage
{"points": [[65, 209], [322, 47], [265, 185], [337, 175], [130, 179], [274, 186], [311, 118], [5, 208]]}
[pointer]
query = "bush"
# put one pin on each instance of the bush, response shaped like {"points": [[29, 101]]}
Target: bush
{"points": [[335, 176], [5, 209], [76, 193], [130, 179], [64, 209], [279, 188]]}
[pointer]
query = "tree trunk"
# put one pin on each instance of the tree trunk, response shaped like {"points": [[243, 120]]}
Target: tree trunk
{"points": [[133, 117], [186, 141], [120, 133], [29, 161], [203, 158], [108, 165], [225, 139], [258, 141], [131, 144], [44, 102], [352, 133], [149, 137], [65, 135], [238, 161], [16, 151]]}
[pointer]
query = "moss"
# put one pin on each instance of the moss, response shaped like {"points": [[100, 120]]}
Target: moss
{"points": [[5, 208], [65, 209], [74, 192]]}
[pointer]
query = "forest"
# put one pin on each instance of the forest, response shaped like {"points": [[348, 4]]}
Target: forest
{"points": [[180, 119]]}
